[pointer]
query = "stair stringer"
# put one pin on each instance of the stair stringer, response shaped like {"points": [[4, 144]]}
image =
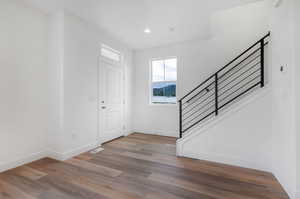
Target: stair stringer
{"points": [[204, 128]]}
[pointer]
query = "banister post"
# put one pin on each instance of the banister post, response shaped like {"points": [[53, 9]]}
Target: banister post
{"points": [[216, 95], [262, 63], [180, 119]]}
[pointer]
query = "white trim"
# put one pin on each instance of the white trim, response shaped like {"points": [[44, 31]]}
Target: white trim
{"points": [[106, 47], [150, 81], [128, 132], [79, 150], [163, 58], [120, 64], [161, 133], [293, 194], [162, 104], [72, 153], [44, 154], [25, 160], [109, 61], [55, 155], [224, 159], [111, 49]]}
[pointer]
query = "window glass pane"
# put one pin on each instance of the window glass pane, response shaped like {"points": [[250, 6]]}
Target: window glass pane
{"points": [[110, 54], [164, 92], [158, 71], [171, 69]]}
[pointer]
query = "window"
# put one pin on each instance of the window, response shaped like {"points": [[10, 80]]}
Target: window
{"points": [[163, 81], [110, 53]]}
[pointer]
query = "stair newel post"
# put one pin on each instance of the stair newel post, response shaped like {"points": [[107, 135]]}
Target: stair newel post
{"points": [[216, 94], [262, 63], [180, 118]]}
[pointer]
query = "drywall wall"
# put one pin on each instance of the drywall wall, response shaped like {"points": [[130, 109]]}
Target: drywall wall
{"points": [[79, 44], [281, 138], [283, 124], [81, 58], [241, 137], [297, 89], [25, 102], [56, 59], [49, 84], [233, 30]]}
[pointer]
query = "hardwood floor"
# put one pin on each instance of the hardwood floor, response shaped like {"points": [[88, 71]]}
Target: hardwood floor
{"points": [[134, 167]]}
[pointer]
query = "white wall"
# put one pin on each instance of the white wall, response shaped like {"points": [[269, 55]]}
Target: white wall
{"points": [[237, 28], [56, 61], [25, 98], [242, 136], [297, 88], [282, 44], [48, 84], [81, 47], [281, 138], [198, 59], [51, 104]]}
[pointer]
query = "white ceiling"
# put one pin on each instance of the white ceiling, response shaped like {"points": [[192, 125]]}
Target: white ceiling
{"points": [[127, 19]]}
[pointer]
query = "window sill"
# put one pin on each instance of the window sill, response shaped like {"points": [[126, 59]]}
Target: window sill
{"points": [[168, 105]]}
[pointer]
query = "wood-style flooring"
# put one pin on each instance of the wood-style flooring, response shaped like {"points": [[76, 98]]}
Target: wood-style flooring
{"points": [[134, 167]]}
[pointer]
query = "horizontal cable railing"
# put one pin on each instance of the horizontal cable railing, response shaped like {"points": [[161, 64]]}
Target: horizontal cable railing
{"points": [[235, 79]]}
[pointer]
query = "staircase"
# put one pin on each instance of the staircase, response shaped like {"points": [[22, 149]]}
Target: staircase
{"points": [[241, 76]]}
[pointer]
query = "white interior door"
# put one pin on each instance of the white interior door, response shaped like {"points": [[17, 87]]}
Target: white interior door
{"points": [[110, 100]]}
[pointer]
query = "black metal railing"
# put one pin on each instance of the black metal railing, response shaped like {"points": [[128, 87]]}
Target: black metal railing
{"points": [[237, 78]]}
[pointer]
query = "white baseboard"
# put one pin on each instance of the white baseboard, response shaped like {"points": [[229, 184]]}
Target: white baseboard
{"points": [[126, 133], [287, 186], [223, 159], [162, 133], [47, 153], [19, 162], [55, 155], [69, 154]]}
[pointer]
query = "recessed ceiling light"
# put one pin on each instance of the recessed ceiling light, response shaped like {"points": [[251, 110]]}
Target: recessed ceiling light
{"points": [[147, 31]]}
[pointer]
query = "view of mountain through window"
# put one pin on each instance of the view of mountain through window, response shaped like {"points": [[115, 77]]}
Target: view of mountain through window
{"points": [[163, 85]]}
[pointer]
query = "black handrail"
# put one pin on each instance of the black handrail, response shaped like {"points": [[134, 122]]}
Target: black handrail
{"points": [[236, 78], [267, 35]]}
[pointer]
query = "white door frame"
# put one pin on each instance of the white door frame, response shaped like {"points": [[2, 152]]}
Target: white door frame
{"points": [[121, 64]]}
